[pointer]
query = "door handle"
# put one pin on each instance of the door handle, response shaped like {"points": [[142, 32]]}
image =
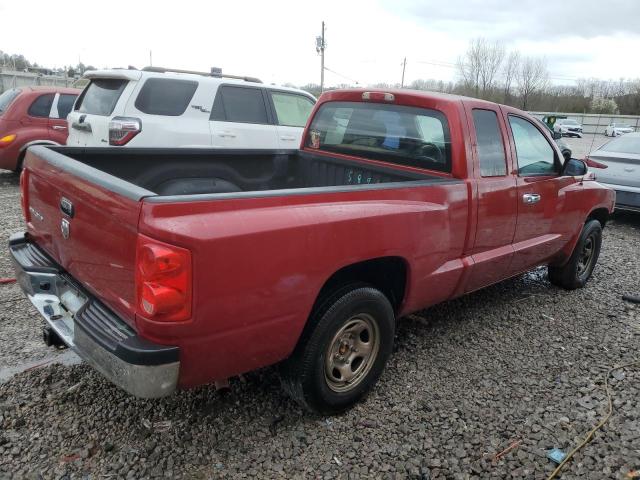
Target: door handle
{"points": [[59, 127], [530, 198], [84, 127], [289, 138], [227, 134]]}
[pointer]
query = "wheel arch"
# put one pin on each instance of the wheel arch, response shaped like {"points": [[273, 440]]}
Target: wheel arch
{"points": [[23, 150], [387, 274], [600, 214]]}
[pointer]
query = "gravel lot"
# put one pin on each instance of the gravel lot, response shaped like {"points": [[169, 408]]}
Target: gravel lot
{"points": [[581, 146], [521, 361]]}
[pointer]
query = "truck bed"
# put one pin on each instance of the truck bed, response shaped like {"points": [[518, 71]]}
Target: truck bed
{"points": [[226, 173]]}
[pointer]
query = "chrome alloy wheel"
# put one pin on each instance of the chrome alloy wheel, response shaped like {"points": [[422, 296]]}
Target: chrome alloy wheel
{"points": [[351, 353]]}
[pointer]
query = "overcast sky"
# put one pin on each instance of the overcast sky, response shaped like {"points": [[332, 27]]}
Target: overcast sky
{"points": [[367, 40]]}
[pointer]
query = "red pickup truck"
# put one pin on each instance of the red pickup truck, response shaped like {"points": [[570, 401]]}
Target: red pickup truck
{"points": [[168, 269]]}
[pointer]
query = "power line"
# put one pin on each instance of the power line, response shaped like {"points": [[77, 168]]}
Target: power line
{"points": [[341, 75]]}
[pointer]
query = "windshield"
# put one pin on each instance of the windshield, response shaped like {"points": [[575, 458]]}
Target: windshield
{"points": [[7, 98], [629, 143], [417, 137]]}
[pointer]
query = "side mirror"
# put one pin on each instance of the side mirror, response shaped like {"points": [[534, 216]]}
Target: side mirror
{"points": [[557, 135], [574, 168]]}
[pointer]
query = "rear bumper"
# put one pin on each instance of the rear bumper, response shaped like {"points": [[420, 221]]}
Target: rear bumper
{"points": [[94, 332], [627, 198]]}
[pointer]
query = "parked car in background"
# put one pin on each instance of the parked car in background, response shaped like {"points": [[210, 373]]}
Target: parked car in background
{"points": [[157, 107], [557, 136], [568, 127], [32, 116], [616, 129], [622, 159], [169, 268]]}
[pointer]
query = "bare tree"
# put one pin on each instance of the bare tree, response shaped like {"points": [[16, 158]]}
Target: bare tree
{"points": [[469, 66], [532, 77], [510, 73], [491, 57], [480, 65]]}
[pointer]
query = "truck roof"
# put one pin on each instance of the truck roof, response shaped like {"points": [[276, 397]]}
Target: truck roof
{"points": [[355, 94]]}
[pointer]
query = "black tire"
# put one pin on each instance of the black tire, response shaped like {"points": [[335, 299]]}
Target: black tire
{"points": [[575, 273], [307, 375]]}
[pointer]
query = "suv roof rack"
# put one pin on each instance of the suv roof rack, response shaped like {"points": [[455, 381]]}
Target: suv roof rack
{"points": [[215, 72]]}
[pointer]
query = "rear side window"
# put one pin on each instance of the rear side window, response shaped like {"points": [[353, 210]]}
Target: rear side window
{"points": [[41, 107], [7, 98], [292, 110], [411, 136], [239, 104], [161, 96], [490, 146], [100, 96], [65, 104]]}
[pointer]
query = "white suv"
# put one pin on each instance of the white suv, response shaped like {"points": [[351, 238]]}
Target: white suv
{"points": [[157, 107]]}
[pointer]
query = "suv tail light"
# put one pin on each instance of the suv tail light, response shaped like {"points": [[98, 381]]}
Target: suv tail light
{"points": [[163, 281], [23, 194], [123, 129]]}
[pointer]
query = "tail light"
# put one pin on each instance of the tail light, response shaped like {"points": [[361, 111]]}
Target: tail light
{"points": [[7, 140], [123, 129], [23, 194], [163, 281]]}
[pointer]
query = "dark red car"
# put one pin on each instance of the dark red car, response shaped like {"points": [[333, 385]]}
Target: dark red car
{"points": [[32, 116]]}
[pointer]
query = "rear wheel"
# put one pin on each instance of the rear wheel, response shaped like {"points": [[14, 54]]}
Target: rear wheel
{"points": [[575, 273], [342, 352]]}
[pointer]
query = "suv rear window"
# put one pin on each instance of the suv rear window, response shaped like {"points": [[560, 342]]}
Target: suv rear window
{"points": [[100, 96], [162, 96], [6, 98], [411, 136]]}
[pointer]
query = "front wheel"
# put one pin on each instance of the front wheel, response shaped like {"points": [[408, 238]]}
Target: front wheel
{"points": [[342, 352], [575, 273]]}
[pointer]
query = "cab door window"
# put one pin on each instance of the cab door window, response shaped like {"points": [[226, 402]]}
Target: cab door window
{"points": [[535, 154]]}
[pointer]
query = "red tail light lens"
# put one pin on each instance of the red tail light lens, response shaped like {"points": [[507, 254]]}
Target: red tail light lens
{"points": [[163, 281], [23, 194], [123, 129]]}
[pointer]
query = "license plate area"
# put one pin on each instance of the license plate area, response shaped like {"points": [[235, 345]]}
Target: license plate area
{"points": [[58, 301]]}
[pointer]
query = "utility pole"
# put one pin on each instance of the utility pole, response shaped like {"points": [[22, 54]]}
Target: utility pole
{"points": [[320, 46], [150, 58], [404, 66]]}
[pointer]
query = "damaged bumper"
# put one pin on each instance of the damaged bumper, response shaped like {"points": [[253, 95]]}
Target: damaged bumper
{"points": [[93, 331]]}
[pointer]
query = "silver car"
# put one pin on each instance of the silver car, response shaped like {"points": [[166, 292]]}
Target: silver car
{"points": [[617, 129], [622, 158]]}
